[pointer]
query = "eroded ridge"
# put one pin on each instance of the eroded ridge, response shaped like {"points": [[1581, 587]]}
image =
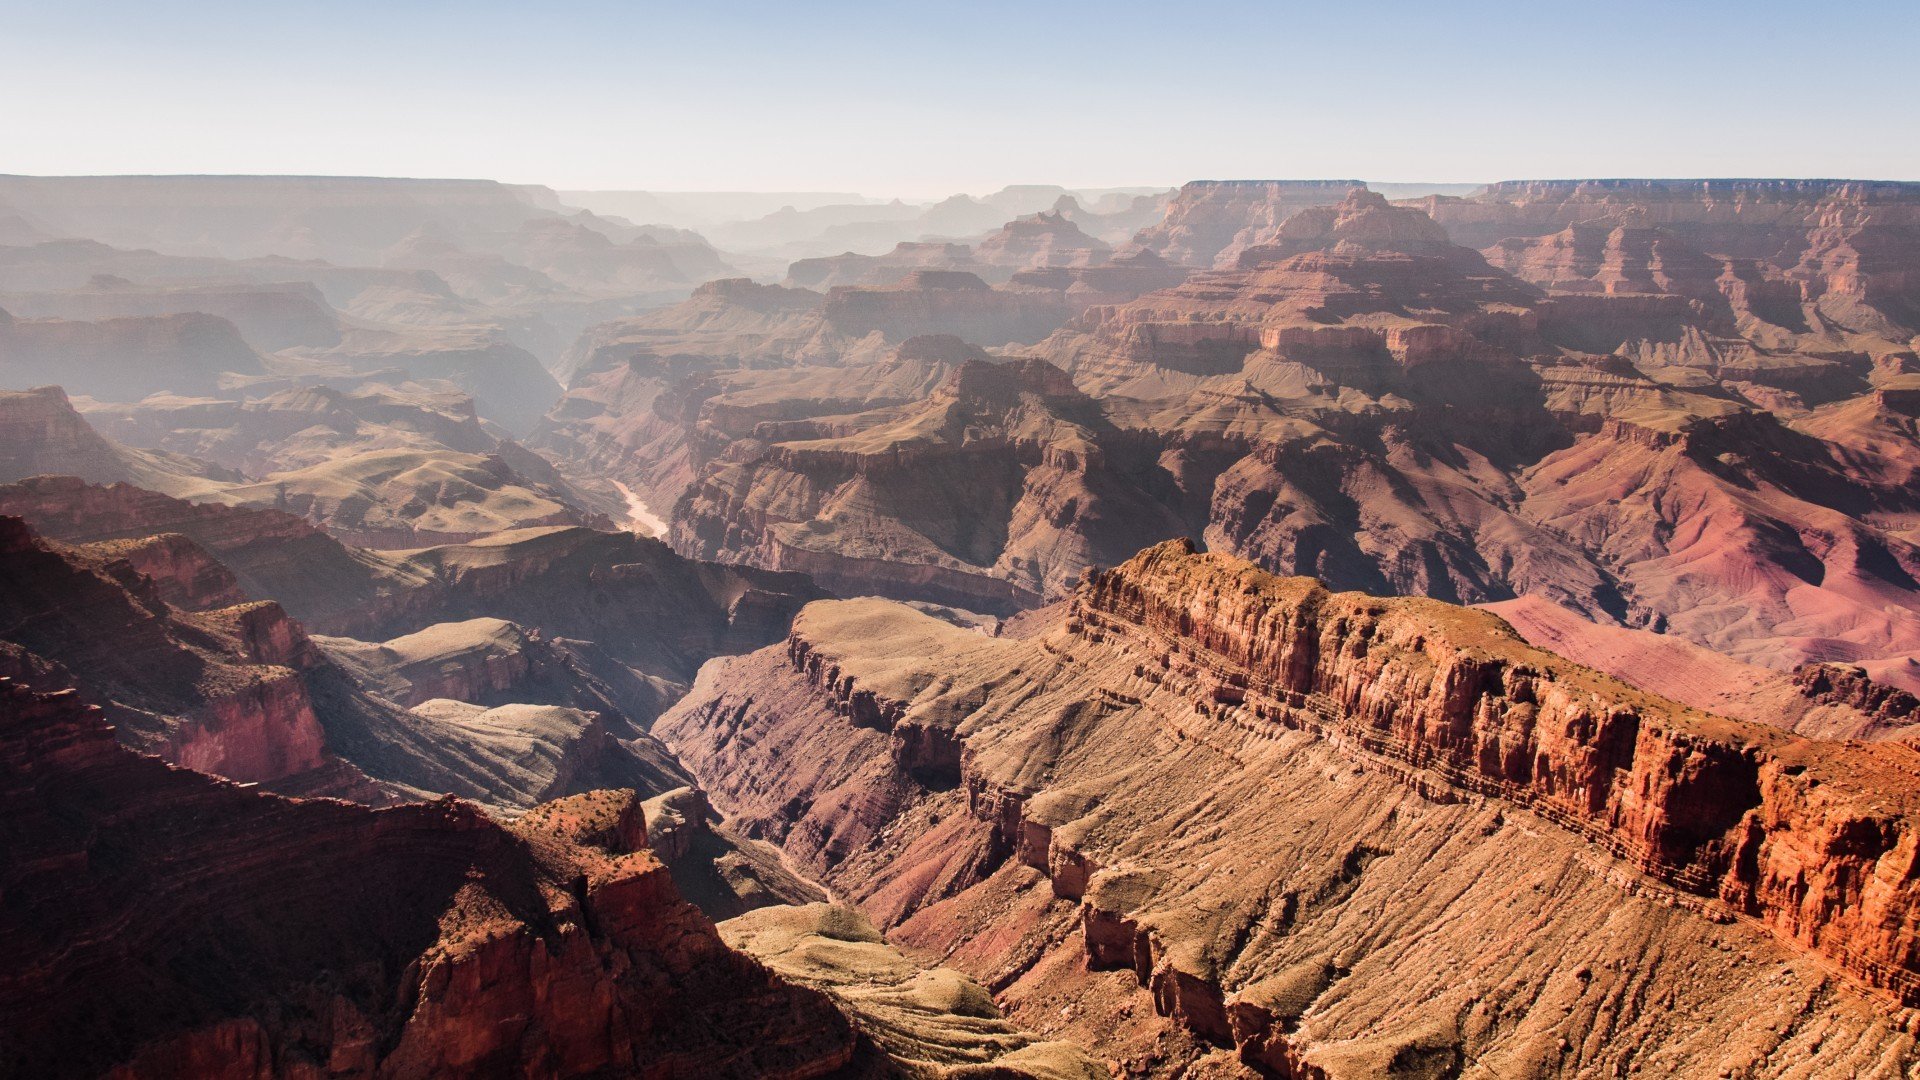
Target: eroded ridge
{"points": [[1206, 811], [164, 923], [1815, 840]]}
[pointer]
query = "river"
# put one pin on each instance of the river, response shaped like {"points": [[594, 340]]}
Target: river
{"points": [[640, 516]]}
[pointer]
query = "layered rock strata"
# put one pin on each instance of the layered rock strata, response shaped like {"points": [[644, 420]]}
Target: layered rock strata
{"points": [[166, 924], [1207, 217], [926, 1021], [995, 492], [1329, 832], [223, 690], [271, 554]]}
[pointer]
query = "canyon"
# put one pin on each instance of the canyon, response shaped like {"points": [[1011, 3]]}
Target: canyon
{"points": [[1307, 629], [1210, 815], [1718, 447], [556, 945]]}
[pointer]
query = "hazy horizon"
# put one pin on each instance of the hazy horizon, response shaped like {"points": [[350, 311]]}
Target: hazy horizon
{"points": [[913, 104]]}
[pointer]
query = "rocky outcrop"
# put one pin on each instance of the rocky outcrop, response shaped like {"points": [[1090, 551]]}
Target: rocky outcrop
{"points": [[992, 494], [125, 359], [1113, 281], [1308, 827], [268, 317], [1040, 240], [241, 691], [720, 870], [1770, 513], [1361, 223], [271, 554], [221, 690], [488, 661], [829, 271], [183, 573], [511, 756], [1021, 252], [646, 607], [947, 302], [1719, 809], [1034, 242], [1672, 667], [1615, 261], [40, 433], [165, 924], [924, 1021], [1359, 282], [475, 661], [1206, 218], [1840, 684]]}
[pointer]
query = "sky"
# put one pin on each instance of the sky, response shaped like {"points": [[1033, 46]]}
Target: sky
{"points": [[923, 100]]}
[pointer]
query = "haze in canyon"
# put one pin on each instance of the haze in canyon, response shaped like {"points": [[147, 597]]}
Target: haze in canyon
{"points": [[1055, 543]]}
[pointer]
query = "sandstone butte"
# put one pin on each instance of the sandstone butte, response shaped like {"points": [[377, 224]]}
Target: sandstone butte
{"points": [[1207, 820]]}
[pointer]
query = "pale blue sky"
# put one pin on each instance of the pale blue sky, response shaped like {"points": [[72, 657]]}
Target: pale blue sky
{"points": [[924, 100]]}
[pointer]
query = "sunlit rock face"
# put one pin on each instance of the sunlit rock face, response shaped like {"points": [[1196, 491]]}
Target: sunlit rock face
{"points": [[289, 937], [1212, 814]]}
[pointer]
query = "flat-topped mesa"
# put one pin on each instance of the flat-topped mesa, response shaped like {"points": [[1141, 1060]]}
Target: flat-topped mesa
{"points": [[1819, 842], [747, 293], [946, 302], [992, 493], [1114, 281], [990, 385], [1759, 190], [126, 359], [263, 634], [1732, 217]]}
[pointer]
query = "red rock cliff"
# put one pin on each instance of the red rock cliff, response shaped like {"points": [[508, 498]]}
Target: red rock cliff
{"points": [[160, 923], [1818, 841]]}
